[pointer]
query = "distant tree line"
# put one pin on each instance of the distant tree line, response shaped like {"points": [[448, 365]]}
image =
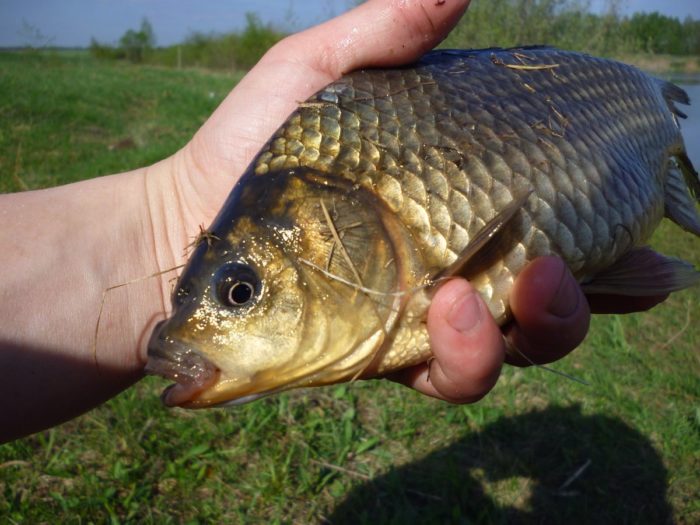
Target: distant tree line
{"points": [[134, 45], [656, 33], [232, 50], [240, 50], [565, 23], [571, 25]]}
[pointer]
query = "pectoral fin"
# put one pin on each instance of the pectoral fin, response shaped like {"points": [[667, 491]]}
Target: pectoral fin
{"points": [[643, 272], [478, 247]]}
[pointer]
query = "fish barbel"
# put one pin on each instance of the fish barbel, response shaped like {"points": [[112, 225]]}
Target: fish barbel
{"points": [[321, 265]]}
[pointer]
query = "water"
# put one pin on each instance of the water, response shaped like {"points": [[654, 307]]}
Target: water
{"points": [[691, 125]]}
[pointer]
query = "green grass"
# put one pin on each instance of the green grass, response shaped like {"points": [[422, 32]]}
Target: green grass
{"points": [[371, 452], [66, 117]]}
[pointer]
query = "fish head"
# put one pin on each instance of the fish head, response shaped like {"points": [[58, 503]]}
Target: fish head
{"points": [[294, 285]]}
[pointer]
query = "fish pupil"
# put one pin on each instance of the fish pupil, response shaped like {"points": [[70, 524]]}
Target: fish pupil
{"points": [[236, 285], [240, 293]]}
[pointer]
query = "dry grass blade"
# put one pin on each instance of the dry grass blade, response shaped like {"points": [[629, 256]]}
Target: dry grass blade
{"points": [[339, 243], [523, 67], [340, 279], [577, 474], [679, 332], [513, 349], [530, 68], [104, 297], [15, 173], [314, 104], [204, 235], [340, 469], [370, 291], [14, 463], [425, 495]]}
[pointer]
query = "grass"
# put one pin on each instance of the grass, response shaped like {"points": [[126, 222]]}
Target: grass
{"points": [[66, 117], [539, 449]]}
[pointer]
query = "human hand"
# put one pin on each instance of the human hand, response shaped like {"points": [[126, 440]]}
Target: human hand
{"points": [[551, 316]]}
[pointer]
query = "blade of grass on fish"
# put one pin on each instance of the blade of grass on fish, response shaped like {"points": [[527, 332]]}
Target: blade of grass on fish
{"points": [[104, 297], [521, 66], [205, 236], [370, 291], [339, 243]]}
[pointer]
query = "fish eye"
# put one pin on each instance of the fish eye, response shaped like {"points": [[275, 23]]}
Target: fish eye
{"points": [[237, 285]]}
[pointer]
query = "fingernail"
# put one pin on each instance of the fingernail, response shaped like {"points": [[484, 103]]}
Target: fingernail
{"points": [[465, 314], [565, 300]]}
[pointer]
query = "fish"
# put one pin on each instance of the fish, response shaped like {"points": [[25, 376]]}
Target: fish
{"points": [[321, 265]]}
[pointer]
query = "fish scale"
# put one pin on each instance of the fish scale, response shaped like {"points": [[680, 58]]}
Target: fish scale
{"points": [[432, 129], [387, 181]]}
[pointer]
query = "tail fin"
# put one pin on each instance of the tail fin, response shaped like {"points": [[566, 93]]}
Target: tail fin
{"points": [[682, 190]]}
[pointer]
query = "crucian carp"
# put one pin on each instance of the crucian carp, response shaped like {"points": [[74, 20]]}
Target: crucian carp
{"points": [[320, 266]]}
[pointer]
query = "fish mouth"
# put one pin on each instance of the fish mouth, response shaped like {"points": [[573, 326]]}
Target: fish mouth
{"points": [[172, 359]]}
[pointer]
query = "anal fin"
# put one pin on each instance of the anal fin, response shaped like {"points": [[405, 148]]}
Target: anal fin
{"points": [[689, 173], [643, 272]]}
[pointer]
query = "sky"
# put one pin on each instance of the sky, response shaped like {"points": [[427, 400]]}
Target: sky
{"points": [[72, 23]]}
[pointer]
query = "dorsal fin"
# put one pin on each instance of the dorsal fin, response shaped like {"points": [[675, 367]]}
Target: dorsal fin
{"points": [[672, 93]]}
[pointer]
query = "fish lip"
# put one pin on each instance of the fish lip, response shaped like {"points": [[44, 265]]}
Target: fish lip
{"points": [[172, 359]]}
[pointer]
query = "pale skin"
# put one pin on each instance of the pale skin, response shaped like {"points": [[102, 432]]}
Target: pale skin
{"points": [[61, 248]]}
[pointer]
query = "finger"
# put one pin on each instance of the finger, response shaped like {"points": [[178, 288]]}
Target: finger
{"points": [[467, 344], [376, 33], [621, 304], [550, 313]]}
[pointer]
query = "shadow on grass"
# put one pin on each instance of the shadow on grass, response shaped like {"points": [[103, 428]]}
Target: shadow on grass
{"points": [[548, 466]]}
